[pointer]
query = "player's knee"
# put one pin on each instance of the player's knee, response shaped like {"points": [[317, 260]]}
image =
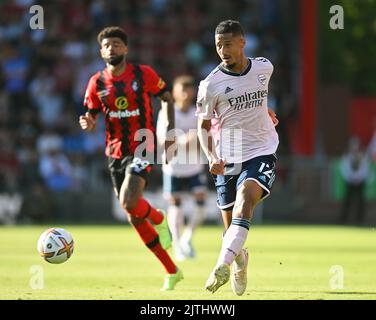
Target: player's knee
{"points": [[175, 201], [134, 221], [129, 205], [244, 209], [243, 212]]}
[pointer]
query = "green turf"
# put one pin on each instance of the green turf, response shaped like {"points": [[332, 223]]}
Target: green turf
{"points": [[109, 262]]}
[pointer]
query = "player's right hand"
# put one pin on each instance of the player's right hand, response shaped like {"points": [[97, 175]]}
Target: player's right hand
{"points": [[217, 166], [273, 116], [87, 122]]}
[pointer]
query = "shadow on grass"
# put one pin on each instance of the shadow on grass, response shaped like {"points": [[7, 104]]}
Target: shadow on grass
{"points": [[350, 292], [317, 292]]}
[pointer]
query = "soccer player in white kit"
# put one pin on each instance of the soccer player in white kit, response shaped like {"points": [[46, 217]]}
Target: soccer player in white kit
{"points": [[237, 133], [186, 171]]}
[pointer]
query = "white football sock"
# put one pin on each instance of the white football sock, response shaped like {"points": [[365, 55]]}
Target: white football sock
{"points": [[175, 222], [233, 240], [194, 221]]}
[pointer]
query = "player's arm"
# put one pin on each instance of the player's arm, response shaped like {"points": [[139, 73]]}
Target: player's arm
{"points": [[167, 108], [156, 86], [206, 102], [88, 121], [167, 103], [216, 165]]}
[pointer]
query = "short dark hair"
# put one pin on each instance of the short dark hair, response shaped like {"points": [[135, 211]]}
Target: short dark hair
{"points": [[230, 26], [112, 32], [185, 80]]}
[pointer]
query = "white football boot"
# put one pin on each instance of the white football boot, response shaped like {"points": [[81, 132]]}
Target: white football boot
{"points": [[239, 275], [219, 276]]}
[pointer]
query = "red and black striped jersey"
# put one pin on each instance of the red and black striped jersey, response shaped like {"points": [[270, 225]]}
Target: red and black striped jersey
{"points": [[125, 100]]}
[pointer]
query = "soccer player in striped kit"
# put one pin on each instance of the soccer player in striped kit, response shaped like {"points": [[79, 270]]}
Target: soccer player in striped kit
{"points": [[237, 133], [122, 92]]}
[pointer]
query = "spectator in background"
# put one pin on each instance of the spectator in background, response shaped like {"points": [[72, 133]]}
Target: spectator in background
{"points": [[9, 164], [47, 100], [54, 166], [37, 205], [354, 168], [15, 69], [56, 170], [4, 109]]}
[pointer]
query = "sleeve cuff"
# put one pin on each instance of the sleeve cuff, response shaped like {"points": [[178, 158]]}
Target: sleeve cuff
{"points": [[161, 92]]}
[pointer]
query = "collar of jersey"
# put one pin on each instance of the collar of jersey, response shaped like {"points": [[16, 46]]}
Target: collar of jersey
{"points": [[235, 74], [109, 74]]}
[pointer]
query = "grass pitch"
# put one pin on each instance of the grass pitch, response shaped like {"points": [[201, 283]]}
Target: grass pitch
{"points": [[110, 262]]}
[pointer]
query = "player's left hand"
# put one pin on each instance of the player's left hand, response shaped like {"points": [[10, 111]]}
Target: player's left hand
{"points": [[273, 116]]}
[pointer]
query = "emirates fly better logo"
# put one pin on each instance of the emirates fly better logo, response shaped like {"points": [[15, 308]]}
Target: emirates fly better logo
{"points": [[248, 100]]}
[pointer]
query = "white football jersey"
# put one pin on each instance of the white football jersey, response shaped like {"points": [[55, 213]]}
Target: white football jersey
{"points": [[184, 164], [237, 105]]}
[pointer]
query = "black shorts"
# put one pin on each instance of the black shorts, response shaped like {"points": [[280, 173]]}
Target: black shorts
{"points": [[260, 169], [174, 185], [119, 168]]}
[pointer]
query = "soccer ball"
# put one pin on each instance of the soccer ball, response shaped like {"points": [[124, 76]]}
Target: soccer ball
{"points": [[55, 245]]}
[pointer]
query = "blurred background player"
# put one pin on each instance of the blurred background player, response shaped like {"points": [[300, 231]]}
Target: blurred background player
{"points": [[185, 171], [355, 170], [236, 131], [122, 91]]}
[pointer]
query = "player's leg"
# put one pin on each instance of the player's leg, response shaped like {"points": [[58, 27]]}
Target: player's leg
{"points": [[176, 223], [197, 185], [233, 240], [346, 204], [138, 212], [149, 236], [132, 201], [243, 213], [227, 218], [129, 187], [171, 191], [241, 259], [360, 194], [247, 198], [226, 196], [253, 185]]}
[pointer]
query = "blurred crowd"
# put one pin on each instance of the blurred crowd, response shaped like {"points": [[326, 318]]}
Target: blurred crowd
{"points": [[44, 73]]}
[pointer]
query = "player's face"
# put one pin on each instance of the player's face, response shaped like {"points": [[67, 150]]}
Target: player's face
{"points": [[113, 50], [183, 94], [230, 49]]}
